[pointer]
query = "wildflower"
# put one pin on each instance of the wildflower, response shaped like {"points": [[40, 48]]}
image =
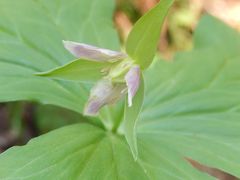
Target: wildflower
{"points": [[123, 77]]}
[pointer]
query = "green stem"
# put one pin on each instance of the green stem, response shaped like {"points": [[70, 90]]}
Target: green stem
{"points": [[117, 124]]}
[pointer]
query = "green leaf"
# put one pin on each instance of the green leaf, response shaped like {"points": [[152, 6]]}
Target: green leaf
{"points": [[31, 34], [192, 108], [79, 70], [143, 39], [131, 115], [80, 151], [75, 152]]}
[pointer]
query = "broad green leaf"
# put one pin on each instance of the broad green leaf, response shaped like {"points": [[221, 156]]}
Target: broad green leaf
{"points": [[130, 118], [75, 152], [192, 112], [143, 39], [79, 70], [192, 108], [31, 34], [83, 151]]}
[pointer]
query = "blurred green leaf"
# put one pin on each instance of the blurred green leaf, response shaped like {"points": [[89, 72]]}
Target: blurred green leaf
{"points": [[222, 37], [143, 39], [50, 117], [31, 34], [15, 111], [192, 108]]}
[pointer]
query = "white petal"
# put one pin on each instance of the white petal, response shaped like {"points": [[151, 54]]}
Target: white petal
{"points": [[89, 52], [104, 92], [132, 79]]}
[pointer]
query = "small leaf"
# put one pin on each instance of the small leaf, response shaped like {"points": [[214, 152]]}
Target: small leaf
{"points": [[89, 52], [79, 70], [143, 39], [130, 118]]}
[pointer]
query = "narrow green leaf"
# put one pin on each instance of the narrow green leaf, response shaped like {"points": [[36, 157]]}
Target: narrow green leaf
{"points": [[143, 39], [79, 70], [130, 118]]}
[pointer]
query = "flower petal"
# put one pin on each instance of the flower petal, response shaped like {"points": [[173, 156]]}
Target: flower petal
{"points": [[132, 79], [89, 52], [103, 93]]}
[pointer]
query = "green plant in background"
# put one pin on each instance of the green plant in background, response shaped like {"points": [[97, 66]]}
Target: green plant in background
{"points": [[190, 108]]}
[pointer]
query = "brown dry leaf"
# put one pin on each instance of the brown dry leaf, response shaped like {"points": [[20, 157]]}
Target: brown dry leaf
{"points": [[123, 24], [219, 174], [144, 5]]}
